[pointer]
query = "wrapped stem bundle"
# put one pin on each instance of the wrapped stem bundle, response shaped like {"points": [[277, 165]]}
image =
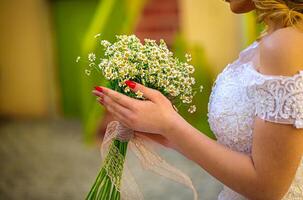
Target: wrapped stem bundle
{"points": [[104, 187], [151, 65]]}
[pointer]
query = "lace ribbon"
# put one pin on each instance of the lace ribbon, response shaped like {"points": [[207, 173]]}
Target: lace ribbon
{"points": [[148, 158]]}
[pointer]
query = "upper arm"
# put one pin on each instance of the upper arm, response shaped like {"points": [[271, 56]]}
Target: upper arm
{"points": [[276, 153], [278, 147]]}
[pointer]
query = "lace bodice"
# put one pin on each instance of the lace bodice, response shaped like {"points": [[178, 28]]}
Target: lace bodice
{"points": [[241, 93]]}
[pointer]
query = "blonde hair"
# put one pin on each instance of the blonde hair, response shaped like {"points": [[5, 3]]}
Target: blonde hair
{"points": [[286, 12]]}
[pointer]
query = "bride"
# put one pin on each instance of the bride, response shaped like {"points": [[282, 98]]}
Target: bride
{"points": [[255, 111]]}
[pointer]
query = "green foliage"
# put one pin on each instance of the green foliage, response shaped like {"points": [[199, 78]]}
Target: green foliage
{"points": [[71, 21], [107, 21], [203, 76]]}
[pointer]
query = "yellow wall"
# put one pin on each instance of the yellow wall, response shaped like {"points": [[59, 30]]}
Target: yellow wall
{"points": [[212, 25], [26, 62]]}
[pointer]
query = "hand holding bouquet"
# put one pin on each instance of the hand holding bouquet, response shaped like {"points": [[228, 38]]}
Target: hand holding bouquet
{"points": [[153, 66]]}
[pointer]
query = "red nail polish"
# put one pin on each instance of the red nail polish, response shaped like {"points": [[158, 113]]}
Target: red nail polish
{"points": [[130, 84], [98, 88]]}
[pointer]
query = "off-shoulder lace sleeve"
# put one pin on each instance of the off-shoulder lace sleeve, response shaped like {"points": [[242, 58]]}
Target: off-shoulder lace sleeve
{"points": [[279, 99]]}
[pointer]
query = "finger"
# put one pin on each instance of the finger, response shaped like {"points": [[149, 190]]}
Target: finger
{"points": [[116, 115], [148, 93], [97, 93], [116, 107], [122, 99]]}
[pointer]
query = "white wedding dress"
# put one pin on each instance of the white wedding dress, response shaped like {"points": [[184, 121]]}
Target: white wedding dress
{"points": [[239, 94]]}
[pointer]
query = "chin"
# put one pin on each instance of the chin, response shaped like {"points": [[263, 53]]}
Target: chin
{"points": [[241, 6]]}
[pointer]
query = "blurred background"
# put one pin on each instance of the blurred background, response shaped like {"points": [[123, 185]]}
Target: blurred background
{"points": [[51, 126]]}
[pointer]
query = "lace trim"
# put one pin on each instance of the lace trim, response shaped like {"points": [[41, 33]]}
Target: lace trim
{"points": [[245, 55], [280, 99], [113, 165], [124, 134], [229, 194]]}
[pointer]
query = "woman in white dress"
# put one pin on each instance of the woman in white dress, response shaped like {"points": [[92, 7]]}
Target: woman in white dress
{"points": [[255, 110]]}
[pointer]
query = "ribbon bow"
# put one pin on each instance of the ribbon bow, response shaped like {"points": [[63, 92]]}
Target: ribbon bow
{"points": [[148, 158]]}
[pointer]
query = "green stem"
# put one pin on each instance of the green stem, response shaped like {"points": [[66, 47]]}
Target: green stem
{"points": [[105, 191], [92, 192], [103, 188]]}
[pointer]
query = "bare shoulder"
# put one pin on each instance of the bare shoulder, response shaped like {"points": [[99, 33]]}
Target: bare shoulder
{"points": [[281, 53]]}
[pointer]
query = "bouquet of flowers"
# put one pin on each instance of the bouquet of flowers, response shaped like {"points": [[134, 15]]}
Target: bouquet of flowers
{"points": [[154, 66]]}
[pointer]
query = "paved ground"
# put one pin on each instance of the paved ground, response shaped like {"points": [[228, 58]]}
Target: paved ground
{"points": [[48, 161]]}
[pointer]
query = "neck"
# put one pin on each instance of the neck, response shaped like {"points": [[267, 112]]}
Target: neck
{"points": [[273, 26]]}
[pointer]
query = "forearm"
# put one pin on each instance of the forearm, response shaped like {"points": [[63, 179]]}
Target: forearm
{"points": [[234, 169]]}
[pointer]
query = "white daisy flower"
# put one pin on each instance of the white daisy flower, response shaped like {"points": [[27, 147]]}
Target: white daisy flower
{"points": [[201, 88], [152, 63], [87, 72], [97, 35], [192, 109], [188, 57], [91, 57], [139, 94], [78, 58]]}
